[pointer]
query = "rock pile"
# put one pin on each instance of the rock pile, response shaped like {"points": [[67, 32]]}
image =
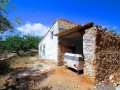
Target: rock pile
{"points": [[108, 66], [107, 57]]}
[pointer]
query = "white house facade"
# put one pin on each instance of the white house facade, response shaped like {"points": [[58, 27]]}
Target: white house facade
{"points": [[48, 47]]}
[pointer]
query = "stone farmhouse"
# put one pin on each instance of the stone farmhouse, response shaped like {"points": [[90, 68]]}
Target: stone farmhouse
{"points": [[99, 48]]}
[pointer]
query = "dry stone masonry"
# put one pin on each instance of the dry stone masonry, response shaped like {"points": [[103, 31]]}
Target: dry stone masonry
{"points": [[102, 55]]}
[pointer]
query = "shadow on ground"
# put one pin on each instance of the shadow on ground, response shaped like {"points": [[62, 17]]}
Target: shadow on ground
{"points": [[5, 68], [79, 72], [26, 79]]}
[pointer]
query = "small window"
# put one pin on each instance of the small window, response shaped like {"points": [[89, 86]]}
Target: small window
{"points": [[44, 49], [52, 35]]}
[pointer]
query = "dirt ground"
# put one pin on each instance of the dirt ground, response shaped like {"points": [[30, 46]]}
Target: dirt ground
{"points": [[59, 77], [65, 79]]}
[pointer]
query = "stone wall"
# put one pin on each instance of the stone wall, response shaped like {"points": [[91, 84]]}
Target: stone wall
{"points": [[89, 45], [107, 57], [101, 50], [65, 25], [61, 55]]}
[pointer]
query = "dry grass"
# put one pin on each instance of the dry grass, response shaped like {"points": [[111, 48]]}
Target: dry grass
{"points": [[19, 62]]}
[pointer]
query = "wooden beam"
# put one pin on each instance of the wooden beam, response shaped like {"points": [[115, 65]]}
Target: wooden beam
{"points": [[77, 29]]}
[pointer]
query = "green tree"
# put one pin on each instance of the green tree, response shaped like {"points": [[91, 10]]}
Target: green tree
{"points": [[21, 43], [31, 41], [14, 43]]}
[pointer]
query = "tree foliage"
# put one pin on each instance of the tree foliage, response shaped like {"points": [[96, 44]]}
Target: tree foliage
{"points": [[21, 43], [5, 24]]}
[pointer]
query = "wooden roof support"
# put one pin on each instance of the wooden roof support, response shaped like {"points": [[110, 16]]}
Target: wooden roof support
{"points": [[78, 28]]}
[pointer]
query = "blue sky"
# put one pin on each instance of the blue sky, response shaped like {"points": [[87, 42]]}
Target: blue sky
{"points": [[45, 12]]}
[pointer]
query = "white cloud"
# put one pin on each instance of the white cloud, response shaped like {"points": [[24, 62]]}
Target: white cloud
{"points": [[33, 29]]}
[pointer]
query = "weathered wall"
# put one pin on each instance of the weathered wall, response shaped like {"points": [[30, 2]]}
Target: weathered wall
{"points": [[89, 45], [62, 50], [48, 47], [65, 25], [107, 57], [102, 55]]}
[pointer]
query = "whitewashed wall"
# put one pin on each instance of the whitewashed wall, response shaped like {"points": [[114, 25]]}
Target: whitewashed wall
{"points": [[51, 45]]}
